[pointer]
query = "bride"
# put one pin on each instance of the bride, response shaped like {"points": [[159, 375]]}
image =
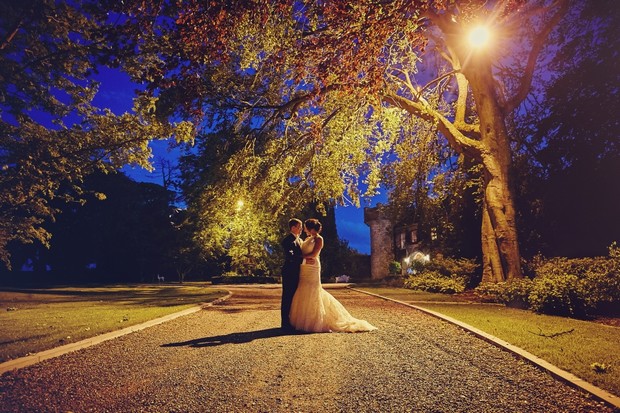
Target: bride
{"points": [[314, 309]]}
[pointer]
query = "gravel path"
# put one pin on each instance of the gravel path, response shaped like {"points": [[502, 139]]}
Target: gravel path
{"points": [[232, 358]]}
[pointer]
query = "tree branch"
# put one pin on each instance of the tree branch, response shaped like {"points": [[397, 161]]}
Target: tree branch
{"points": [[553, 335], [539, 42], [458, 141], [9, 38]]}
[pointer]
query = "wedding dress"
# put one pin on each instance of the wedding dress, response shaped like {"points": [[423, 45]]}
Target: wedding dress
{"points": [[314, 309]]}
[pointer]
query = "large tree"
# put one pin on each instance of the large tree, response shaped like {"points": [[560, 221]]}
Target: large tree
{"points": [[236, 225], [327, 88], [51, 134]]}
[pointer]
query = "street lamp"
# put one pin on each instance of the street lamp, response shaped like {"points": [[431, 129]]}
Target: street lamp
{"points": [[479, 36], [239, 206]]}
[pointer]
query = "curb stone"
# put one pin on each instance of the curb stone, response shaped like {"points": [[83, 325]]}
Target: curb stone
{"points": [[569, 378], [26, 361]]}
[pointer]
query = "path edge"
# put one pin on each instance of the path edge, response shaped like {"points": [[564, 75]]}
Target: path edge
{"points": [[563, 375], [29, 360]]}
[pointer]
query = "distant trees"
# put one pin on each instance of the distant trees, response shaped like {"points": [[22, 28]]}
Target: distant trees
{"points": [[126, 234], [568, 153], [236, 225], [51, 134]]}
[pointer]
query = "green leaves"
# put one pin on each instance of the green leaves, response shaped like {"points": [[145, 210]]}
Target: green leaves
{"points": [[51, 134]]}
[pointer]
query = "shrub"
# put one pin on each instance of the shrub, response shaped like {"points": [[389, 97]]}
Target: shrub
{"points": [[234, 278], [596, 281], [493, 291], [441, 275], [435, 282], [514, 294], [558, 294], [562, 286], [394, 268], [454, 267]]}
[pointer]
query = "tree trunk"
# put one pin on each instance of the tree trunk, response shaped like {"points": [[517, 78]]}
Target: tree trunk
{"points": [[500, 247], [501, 257], [492, 270]]}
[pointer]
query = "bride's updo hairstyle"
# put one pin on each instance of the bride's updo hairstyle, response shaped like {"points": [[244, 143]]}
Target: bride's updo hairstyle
{"points": [[314, 224]]}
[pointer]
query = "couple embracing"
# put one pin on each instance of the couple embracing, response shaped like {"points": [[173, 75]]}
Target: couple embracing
{"points": [[306, 306]]}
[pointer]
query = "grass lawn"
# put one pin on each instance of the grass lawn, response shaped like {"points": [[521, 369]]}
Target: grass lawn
{"points": [[572, 345], [32, 320], [403, 294]]}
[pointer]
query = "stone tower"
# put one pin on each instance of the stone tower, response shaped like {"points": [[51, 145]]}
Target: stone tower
{"points": [[381, 249]]}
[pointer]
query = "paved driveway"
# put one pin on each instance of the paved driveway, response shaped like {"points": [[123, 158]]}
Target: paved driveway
{"points": [[233, 358]]}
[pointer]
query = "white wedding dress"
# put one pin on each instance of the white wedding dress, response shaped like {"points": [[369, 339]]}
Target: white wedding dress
{"points": [[314, 309]]}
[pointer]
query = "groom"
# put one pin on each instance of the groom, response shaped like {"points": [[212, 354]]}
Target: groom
{"points": [[291, 245]]}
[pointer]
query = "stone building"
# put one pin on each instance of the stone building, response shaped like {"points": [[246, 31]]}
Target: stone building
{"points": [[381, 249], [389, 242]]}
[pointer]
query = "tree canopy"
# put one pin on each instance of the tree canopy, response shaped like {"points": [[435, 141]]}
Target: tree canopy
{"points": [[324, 91], [295, 102], [51, 135], [567, 140]]}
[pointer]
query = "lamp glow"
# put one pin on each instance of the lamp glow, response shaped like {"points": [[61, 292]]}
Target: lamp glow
{"points": [[239, 205], [479, 36]]}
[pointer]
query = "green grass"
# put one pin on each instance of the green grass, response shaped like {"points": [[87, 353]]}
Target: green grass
{"points": [[572, 345], [33, 320], [403, 294]]}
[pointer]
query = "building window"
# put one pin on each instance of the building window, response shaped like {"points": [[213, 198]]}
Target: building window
{"points": [[414, 237], [401, 240]]}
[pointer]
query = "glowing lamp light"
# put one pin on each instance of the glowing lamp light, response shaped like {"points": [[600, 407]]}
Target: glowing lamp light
{"points": [[239, 205], [479, 36]]}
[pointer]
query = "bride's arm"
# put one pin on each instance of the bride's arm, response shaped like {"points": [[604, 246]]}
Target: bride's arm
{"points": [[318, 245]]}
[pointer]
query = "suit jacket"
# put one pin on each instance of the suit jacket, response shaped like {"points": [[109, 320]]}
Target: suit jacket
{"points": [[292, 257]]}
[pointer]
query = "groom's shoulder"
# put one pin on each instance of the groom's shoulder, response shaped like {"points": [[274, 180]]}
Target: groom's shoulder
{"points": [[287, 238]]}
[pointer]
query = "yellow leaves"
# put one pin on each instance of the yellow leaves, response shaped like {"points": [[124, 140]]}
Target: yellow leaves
{"points": [[261, 39], [144, 105], [184, 132], [234, 221]]}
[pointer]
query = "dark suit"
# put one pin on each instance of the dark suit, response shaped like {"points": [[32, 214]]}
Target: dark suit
{"points": [[290, 275]]}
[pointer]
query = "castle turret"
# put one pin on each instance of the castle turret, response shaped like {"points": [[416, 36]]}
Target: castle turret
{"points": [[381, 251]]}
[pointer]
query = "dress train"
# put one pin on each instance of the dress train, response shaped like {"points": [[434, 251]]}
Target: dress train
{"points": [[315, 310]]}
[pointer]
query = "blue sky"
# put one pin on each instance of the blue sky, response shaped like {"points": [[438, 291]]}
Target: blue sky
{"points": [[116, 93]]}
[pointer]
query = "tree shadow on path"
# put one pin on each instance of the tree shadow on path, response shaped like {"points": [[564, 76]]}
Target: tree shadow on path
{"points": [[234, 338]]}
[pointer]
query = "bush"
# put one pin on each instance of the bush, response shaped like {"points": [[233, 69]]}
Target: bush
{"points": [[559, 295], [233, 278], [562, 286], [463, 268], [441, 275], [394, 268], [595, 280], [435, 282], [513, 294]]}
